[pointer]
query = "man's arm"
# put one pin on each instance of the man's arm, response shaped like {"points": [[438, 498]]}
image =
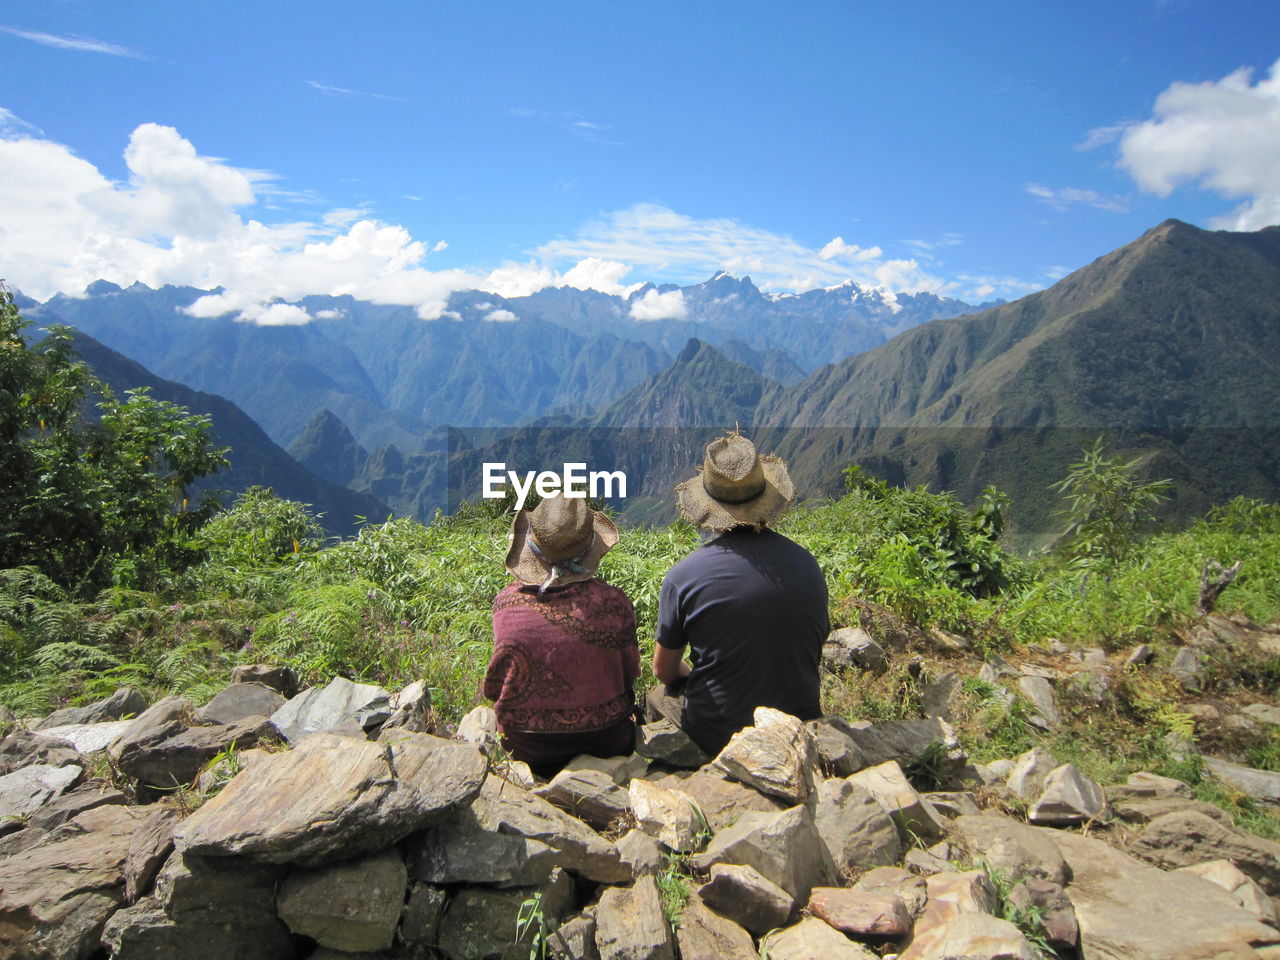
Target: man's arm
{"points": [[668, 664]]}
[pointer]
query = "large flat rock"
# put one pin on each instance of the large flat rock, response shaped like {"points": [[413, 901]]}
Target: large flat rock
{"points": [[335, 797]]}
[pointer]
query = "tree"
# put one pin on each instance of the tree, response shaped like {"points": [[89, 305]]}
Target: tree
{"points": [[87, 497]]}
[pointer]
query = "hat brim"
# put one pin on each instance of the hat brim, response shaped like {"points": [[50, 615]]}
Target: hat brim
{"points": [[703, 510], [527, 567]]}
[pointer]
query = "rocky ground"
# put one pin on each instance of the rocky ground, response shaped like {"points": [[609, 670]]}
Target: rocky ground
{"points": [[334, 822]]}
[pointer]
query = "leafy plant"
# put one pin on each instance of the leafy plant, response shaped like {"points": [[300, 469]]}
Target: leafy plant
{"points": [[531, 921], [1028, 919], [673, 887]]}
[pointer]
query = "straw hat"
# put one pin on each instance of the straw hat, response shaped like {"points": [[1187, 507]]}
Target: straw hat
{"points": [[561, 540], [735, 487]]}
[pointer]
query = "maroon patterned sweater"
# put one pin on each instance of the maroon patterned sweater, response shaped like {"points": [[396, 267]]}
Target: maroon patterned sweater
{"points": [[563, 662]]}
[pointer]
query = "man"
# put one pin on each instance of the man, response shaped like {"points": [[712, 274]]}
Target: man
{"points": [[750, 604]]}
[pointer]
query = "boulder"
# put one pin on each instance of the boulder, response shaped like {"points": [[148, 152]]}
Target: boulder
{"points": [[662, 740], [1029, 773], [353, 906], [145, 932], [622, 769], [480, 727], [640, 852], [953, 803], [1233, 880], [1144, 810], [669, 816], [1260, 784], [1128, 910], [776, 755], [163, 719], [149, 847], [836, 749], [1185, 838], [631, 924], [322, 708], [1010, 846], [972, 936], [785, 847], [938, 694], [1068, 797], [1187, 669], [283, 680], [854, 827], [705, 935], [23, 749], [575, 939], [853, 647], [907, 887], [907, 741], [332, 798], [747, 897], [861, 914], [410, 709], [25, 791], [218, 774], [89, 738], [70, 805], [125, 702], [720, 800], [176, 757], [1050, 902], [241, 700], [481, 921], [954, 894], [1144, 785], [927, 862], [811, 938], [590, 795], [1039, 693], [56, 896], [914, 815], [1263, 713], [420, 922]]}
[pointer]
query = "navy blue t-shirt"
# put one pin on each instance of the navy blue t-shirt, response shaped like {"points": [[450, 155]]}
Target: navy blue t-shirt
{"points": [[752, 608]]}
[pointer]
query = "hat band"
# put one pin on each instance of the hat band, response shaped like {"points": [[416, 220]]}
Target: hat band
{"points": [[560, 568], [732, 495]]}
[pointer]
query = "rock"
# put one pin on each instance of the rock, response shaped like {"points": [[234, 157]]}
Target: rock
{"points": [[333, 798], [811, 938], [622, 769], [995, 772], [1187, 669], [1093, 686], [1139, 655], [25, 791], [946, 642], [1230, 878], [163, 719], [907, 741], [668, 816], [910, 889], [481, 922], [24, 838], [149, 847], [1069, 797], [1039, 693], [145, 932], [1263, 713], [630, 923], [747, 897], [1142, 784], [1051, 903], [1185, 838], [855, 829], [217, 775], [662, 740], [853, 647], [321, 708], [1030, 771], [861, 914], [953, 803], [925, 863], [640, 852], [89, 738], [241, 700], [1011, 847], [785, 847], [954, 894], [1146, 810], [22, 749], [720, 800], [280, 679], [914, 815], [972, 936], [575, 939], [1130, 911], [1260, 784], [70, 805], [836, 749], [776, 755], [938, 694], [125, 702], [491, 840], [480, 727], [589, 795], [410, 709], [56, 896], [704, 935], [178, 759], [420, 922], [354, 905]]}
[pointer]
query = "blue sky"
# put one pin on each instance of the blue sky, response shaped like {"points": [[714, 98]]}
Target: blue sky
{"points": [[401, 150]]}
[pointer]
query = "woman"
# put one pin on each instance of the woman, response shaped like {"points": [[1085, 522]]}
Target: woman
{"points": [[564, 651]]}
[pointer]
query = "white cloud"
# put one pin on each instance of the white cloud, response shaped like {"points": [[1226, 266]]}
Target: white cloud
{"points": [[82, 44], [1062, 199], [1224, 135], [606, 276], [569, 121], [660, 306], [332, 91], [329, 315], [275, 315], [501, 316], [440, 246], [13, 125], [838, 248]]}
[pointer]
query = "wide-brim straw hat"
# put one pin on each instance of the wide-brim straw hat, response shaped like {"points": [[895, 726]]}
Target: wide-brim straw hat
{"points": [[559, 541], [735, 487]]}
